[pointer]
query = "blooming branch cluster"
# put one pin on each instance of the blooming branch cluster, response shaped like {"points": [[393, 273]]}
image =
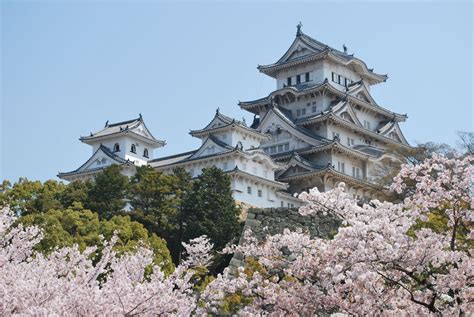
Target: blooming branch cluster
{"points": [[68, 281], [376, 264], [386, 259]]}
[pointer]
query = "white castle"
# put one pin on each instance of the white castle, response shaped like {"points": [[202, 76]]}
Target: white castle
{"points": [[319, 127]]}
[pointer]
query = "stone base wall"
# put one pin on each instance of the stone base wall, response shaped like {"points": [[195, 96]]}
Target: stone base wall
{"points": [[271, 221]]}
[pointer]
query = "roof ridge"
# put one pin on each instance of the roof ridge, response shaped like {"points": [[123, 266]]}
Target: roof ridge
{"points": [[172, 156], [123, 122]]}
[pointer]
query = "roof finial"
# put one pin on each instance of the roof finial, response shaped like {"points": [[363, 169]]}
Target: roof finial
{"points": [[298, 29], [217, 110], [344, 47], [140, 116], [106, 123]]}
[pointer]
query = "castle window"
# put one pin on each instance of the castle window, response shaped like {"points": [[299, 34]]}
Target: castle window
{"points": [[314, 109], [116, 147], [288, 81], [249, 190], [282, 204], [340, 167], [287, 146], [355, 172], [367, 124], [145, 153], [334, 76], [298, 112], [307, 76], [133, 149], [298, 79], [259, 193], [303, 111]]}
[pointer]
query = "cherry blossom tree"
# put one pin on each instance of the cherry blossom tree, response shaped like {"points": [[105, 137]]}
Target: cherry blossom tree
{"points": [[376, 264], [68, 282], [386, 259]]}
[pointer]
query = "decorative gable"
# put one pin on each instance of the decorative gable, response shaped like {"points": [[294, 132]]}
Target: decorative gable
{"points": [[298, 49], [345, 111], [395, 133], [274, 123], [211, 146]]}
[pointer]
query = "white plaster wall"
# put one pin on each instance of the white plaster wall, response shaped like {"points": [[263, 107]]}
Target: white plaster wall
{"points": [[315, 69], [239, 185], [339, 69], [125, 143], [255, 168], [348, 164], [374, 122], [267, 199], [138, 157], [307, 103]]}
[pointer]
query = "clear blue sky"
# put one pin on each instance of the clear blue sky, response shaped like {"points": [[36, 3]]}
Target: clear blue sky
{"points": [[67, 67]]}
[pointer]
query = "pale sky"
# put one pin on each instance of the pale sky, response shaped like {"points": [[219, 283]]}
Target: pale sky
{"points": [[67, 67]]}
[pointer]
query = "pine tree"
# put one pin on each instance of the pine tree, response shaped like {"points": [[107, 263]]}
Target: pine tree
{"points": [[153, 197], [107, 195], [211, 210]]}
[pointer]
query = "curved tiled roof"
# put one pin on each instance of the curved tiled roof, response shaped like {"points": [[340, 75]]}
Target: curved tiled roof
{"points": [[227, 123], [320, 50], [286, 116], [106, 151], [326, 86], [113, 129]]}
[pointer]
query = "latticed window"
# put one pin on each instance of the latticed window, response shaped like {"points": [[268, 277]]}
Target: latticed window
{"points": [[116, 147], [145, 153], [133, 149]]}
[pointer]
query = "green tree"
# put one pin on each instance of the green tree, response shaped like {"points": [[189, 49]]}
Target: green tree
{"points": [[107, 195], [75, 193], [63, 228], [183, 190], [153, 198], [27, 197], [211, 210]]}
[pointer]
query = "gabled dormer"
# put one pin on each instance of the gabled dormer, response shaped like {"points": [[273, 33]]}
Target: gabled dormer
{"points": [[230, 131], [308, 60], [129, 140]]}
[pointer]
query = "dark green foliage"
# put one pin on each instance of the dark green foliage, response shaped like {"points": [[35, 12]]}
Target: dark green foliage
{"points": [[28, 197], [174, 207], [183, 191], [76, 193], [153, 199], [62, 228], [210, 209], [107, 195]]}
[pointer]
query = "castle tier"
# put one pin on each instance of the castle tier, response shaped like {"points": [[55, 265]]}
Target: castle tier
{"points": [[319, 127], [235, 148], [128, 143], [322, 122]]}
